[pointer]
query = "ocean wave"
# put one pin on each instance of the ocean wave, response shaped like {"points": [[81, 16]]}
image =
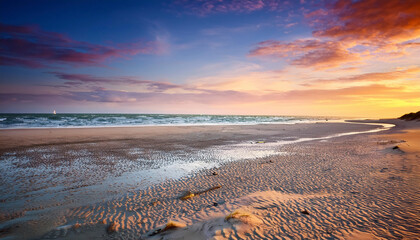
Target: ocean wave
{"points": [[109, 120]]}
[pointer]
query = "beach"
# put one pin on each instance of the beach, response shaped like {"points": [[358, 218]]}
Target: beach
{"points": [[320, 180]]}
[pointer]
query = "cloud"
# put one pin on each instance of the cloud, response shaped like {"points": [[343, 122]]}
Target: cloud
{"points": [[267, 97], [289, 25], [384, 28], [208, 7], [90, 80], [209, 97], [350, 32], [29, 46], [396, 75], [375, 85], [230, 30], [368, 101], [307, 52], [349, 95], [10, 61], [375, 21], [7, 98]]}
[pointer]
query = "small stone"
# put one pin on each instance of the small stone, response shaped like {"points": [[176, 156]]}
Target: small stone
{"points": [[112, 227], [63, 232], [188, 195], [305, 212], [173, 225], [215, 204], [215, 173], [396, 147], [76, 226]]}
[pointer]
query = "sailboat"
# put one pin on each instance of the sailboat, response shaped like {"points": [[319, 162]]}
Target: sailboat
{"points": [[54, 112]]}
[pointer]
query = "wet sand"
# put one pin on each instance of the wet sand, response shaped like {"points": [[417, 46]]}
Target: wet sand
{"points": [[200, 136], [249, 182]]}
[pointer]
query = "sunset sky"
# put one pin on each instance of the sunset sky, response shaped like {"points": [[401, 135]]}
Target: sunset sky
{"points": [[262, 57]]}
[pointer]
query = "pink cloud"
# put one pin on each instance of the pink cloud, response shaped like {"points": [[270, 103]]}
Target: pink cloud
{"points": [[94, 81], [207, 7], [10, 61], [307, 52], [29, 46], [343, 28]]}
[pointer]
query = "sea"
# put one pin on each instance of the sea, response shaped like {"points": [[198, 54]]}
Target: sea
{"points": [[65, 120]]}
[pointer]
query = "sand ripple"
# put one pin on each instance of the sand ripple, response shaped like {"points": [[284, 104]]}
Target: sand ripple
{"points": [[339, 183], [352, 187]]}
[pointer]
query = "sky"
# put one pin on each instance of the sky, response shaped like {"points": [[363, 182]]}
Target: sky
{"points": [[254, 57]]}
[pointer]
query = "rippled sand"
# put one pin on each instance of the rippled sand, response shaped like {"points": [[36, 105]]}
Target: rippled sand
{"points": [[349, 187]]}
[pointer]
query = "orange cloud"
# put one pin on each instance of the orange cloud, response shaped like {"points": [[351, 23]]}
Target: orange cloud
{"points": [[251, 82], [349, 32], [308, 52], [371, 100], [331, 97], [369, 20], [396, 75]]}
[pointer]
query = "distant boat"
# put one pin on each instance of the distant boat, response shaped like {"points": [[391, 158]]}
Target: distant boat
{"points": [[54, 112]]}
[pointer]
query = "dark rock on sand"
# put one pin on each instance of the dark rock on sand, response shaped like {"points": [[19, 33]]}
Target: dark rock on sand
{"points": [[169, 226], [112, 227], [305, 212], [398, 178], [190, 194], [76, 226]]}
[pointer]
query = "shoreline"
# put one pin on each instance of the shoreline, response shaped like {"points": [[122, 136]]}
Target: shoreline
{"points": [[15, 138], [167, 125], [284, 180], [343, 120]]}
